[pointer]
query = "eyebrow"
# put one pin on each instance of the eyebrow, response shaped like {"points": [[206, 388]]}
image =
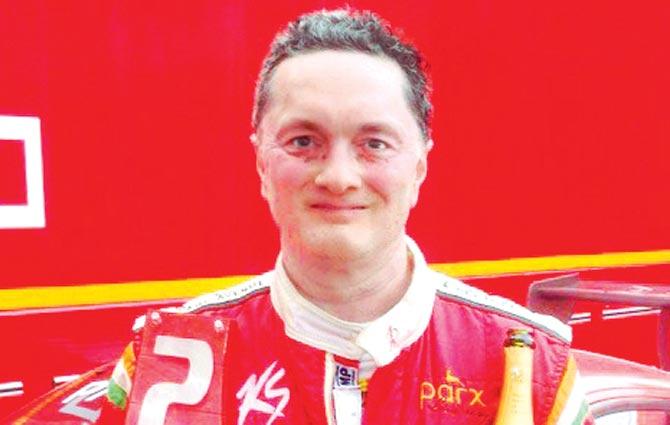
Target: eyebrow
{"points": [[308, 125], [380, 127], [299, 124]]}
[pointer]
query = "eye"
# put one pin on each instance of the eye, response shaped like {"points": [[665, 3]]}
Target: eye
{"points": [[301, 142], [376, 145]]}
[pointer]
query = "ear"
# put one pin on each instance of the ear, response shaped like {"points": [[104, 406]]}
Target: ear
{"points": [[253, 138], [421, 171], [261, 167]]}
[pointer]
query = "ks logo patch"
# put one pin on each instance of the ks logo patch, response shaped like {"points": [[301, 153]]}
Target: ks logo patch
{"points": [[250, 393]]}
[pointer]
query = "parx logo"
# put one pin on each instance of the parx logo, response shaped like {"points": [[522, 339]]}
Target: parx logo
{"points": [[250, 392], [451, 392]]}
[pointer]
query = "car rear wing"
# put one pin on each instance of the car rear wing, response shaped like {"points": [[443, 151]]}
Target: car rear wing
{"points": [[557, 296]]}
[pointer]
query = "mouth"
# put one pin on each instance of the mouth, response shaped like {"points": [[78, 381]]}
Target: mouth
{"points": [[338, 213], [328, 207]]}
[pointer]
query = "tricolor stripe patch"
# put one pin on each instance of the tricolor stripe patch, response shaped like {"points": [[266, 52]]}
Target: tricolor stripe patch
{"points": [[122, 378], [570, 407]]}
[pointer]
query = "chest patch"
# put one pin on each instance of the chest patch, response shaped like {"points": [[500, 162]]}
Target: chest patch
{"points": [[451, 394], [264, 394], [345, 376]]}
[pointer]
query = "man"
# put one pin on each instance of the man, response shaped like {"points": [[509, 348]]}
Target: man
{"points": [[351, 326]]}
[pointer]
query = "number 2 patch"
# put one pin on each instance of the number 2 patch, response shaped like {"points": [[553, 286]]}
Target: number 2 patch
{"points": [[179, 371]]}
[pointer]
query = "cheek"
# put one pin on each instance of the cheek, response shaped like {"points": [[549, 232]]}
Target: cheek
{"points": [[393, 181], [286, 174]]}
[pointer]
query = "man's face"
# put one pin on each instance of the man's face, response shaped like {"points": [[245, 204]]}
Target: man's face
{"points": [[339, 153]]}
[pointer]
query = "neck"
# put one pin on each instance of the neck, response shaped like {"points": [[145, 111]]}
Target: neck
{"points": [[358, 290]]}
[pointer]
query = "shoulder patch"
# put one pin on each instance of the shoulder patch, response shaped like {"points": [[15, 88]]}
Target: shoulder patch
{"points": [[224, 297], [232, 295], [453, 288]]}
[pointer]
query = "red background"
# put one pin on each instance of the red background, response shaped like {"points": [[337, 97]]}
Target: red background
{"points": [[551, 132]]}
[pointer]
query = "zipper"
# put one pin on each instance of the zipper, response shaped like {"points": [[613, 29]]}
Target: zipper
{"points": [[328, 381], [344, 392]]}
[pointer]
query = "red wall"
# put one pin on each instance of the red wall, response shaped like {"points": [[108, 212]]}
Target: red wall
{"points": [[551, 131]]}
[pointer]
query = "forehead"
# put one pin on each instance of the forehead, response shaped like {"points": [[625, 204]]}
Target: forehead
{"points": [[339, 87]]}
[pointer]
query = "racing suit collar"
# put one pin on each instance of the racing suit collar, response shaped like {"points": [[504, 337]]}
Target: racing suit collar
{"points": [[381, 339]]}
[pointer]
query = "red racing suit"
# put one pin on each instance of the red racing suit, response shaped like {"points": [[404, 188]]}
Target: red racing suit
{"points": [[435, 358]]}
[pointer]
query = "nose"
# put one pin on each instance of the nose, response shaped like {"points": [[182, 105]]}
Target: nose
{"points": [[340, 170]]}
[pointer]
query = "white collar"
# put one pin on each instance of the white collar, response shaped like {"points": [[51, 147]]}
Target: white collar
{"points": [[383, 338]]}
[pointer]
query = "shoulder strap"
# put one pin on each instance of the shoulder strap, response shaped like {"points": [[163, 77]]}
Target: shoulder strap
{"points": [[455, 289]]}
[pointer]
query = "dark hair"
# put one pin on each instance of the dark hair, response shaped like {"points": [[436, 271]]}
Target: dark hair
{"points": [[349, 30]]}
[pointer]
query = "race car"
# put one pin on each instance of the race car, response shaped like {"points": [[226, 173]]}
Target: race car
{"points": [[618, 391]]}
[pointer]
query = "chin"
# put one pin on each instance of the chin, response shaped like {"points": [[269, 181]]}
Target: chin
{"points": [[340, 244]]}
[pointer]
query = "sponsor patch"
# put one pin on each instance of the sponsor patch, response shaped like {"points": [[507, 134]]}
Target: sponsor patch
{"points": [[345, 376], [450, 394], [260, 394]]}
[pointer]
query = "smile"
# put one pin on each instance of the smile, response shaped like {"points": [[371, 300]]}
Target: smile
{"points": [[335, 207]]}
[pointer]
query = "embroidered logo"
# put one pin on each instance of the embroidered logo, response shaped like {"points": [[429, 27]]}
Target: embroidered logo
{"points": [[345, 376], [449, 393], [250, 393]]}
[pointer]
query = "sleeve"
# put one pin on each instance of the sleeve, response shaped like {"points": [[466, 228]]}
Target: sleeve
{"points": [[570, 404]]}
